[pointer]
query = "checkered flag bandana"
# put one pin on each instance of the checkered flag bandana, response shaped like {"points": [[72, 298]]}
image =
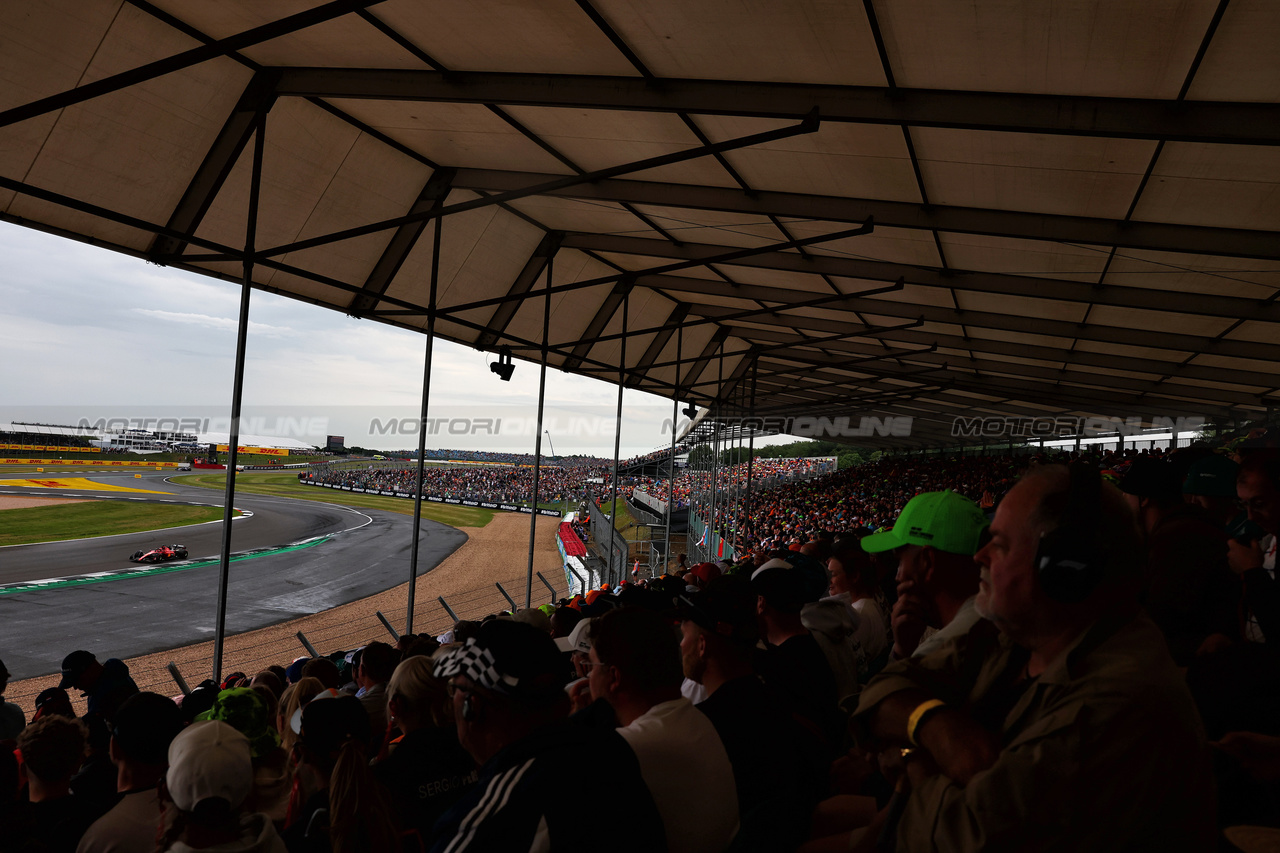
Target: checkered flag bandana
{"points": [[476, 664]]}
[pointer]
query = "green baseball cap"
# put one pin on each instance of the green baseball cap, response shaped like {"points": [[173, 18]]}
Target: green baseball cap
{"points": [[946, 520]]}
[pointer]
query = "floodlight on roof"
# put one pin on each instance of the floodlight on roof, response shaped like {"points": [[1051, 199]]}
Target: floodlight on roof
{"points": [[504, 367]]}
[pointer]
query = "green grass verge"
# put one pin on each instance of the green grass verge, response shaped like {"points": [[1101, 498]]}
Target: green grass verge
{"points": [[625, 522], [95, 518], [284, 484]]}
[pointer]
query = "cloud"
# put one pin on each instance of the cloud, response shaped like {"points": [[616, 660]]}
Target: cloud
{"points": [[90, 327], [212, 322]]}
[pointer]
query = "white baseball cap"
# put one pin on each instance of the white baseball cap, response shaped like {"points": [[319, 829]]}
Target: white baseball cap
{"points": [[577, 641], [209, 759]]}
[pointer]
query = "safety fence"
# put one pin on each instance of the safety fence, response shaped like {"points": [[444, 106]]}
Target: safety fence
{"points": [[254, 651], [608, 541]]}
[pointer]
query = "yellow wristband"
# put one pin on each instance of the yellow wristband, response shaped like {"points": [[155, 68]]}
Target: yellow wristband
{"points": [[917, 716]]}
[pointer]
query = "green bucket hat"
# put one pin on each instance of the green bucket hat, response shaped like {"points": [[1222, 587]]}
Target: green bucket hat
{"points": [[244, 709], [946, 520]]}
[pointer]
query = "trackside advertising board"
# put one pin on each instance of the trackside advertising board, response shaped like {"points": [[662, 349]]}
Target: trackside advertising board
{"points": [[264, 451], [100, 462], [435, 499]]}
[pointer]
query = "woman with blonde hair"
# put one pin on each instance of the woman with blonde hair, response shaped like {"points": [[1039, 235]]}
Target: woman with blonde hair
{"points": [[428, 769], [349, 811], [295, 696]]}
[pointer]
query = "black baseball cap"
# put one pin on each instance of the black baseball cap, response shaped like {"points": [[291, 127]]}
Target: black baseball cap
{"points": [[726, 608], [1152, 478], [145, 725], [73, 665]]}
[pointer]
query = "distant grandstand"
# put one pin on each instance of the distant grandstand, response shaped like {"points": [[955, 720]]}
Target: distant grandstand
{"points": [[37, 439]]}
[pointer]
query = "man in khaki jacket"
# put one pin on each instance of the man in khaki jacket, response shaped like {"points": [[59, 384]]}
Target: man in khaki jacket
{"points": [[1059, 722]]}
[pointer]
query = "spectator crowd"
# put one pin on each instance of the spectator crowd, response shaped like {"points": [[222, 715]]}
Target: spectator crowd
{"points": [[1050, 653], [765, 473], [503, 458], [510, 484], [501, 484]]}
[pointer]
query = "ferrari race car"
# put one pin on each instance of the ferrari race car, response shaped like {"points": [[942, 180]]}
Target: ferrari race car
{"points": [[160, 554]]}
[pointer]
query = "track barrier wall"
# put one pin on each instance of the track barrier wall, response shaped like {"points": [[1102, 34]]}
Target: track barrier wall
{"points": [[507, 507], [96, 462]]}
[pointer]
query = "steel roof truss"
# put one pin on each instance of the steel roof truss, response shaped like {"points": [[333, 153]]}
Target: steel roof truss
{"points": [[553, 184], [1073, 115], [1156, 236], [1180, 302]]}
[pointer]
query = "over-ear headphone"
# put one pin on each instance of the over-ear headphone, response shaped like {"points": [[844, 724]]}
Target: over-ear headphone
{"points": [[1070, 559]]}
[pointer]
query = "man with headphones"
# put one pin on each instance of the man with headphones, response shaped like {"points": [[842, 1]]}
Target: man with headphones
{"points": [[1059, 722]]}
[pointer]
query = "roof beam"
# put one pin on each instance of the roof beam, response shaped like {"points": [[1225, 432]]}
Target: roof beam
{"points": [[731, 382], [533, 267], [940, 405], [793, 386], [1155, 236], [217, 164], [659, 343], [809, 124], [588, 338], [1056, 375], [700, 363], [1073, 115], [826, 300], [787, 341], [1084, 399], [727, 256], [789, 347], [872, 354], [402, 242], [1182, 302], [1016, 324], [186, 59]]}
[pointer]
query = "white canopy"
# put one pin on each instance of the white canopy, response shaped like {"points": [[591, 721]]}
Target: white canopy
{"points": [[1005, 208]]}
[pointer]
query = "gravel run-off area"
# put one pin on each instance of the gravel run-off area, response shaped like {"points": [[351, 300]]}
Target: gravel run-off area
{"points": [[495, 553], [23, 502]]}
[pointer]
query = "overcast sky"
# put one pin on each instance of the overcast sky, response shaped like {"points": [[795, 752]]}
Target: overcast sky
{"points": [[87, 333]]}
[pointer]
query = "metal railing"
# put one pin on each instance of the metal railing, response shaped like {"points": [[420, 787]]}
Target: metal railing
{"points": [[431, 618]]}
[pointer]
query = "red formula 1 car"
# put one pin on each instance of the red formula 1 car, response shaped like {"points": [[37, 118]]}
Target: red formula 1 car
{"points": [[160, 554]]}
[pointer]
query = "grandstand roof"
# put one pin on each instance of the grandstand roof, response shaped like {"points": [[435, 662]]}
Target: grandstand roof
{"points": [[915, 208], [48, 429]]}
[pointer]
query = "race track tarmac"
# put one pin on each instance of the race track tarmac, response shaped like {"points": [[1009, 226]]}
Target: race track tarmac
{"points": [[359, 552]]}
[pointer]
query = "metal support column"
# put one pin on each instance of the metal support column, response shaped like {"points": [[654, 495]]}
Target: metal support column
{"points": [[751, 442], [717, 428], [422, 423], [671, 466], [537, 445], [617, 433], [237, 390]]}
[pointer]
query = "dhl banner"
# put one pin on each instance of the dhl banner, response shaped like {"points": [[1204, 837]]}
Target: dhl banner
{"points": [[114, 463], [50, 448], [263, 451]]}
